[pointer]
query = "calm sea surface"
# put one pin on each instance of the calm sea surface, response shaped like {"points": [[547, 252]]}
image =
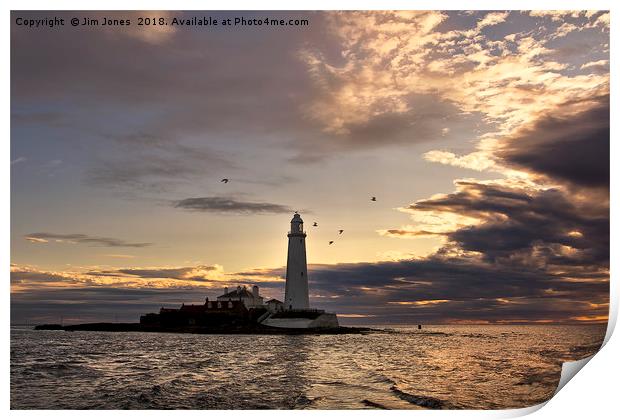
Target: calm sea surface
{"points": [[437, 367]]}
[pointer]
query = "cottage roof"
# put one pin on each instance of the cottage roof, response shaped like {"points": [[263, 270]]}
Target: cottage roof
{"points": [[240, 293], [273, 300], [192, 308]]}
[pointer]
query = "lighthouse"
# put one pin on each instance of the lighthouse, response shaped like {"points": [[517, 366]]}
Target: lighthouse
{"points": [[296, 290], [297, 313]]}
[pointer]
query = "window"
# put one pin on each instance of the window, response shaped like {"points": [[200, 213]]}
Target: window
{"points": [[230, 304], [219, 304], [302, 273]]}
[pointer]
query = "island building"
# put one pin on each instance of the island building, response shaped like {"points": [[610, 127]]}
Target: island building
{"points": [[274, 305], [242, 306], [250, 299]]}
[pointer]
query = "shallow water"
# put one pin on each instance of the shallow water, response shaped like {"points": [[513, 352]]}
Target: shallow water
{"points": [[445, 367]]}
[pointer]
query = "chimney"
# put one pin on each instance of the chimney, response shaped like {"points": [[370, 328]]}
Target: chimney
{"points": [[226, 290], [255, 291], [238, 288]]}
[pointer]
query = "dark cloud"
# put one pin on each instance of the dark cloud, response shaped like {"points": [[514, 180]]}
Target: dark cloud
{"points": [[28, 276], [50, 119], [410, 232], [534, 253], [189, 90], [44, 237], [188, 84], [230, 205], [41, 296], [423, 122], [153, 163], [443, 289], [440, 288], [96, 304], [573, 149], [177, 273], [543, 227]]}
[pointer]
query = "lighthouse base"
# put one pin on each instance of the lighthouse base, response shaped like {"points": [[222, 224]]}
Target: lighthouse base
{"points": [[301, 320]]}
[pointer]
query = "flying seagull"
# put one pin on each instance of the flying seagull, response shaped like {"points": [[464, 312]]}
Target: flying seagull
{"points": [[331, 242], [315, 224], [340, 232], [225, 180], [373, 199]]}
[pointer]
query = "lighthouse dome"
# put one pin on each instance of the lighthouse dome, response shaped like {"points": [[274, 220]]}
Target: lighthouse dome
{"points": [[297, 219]]}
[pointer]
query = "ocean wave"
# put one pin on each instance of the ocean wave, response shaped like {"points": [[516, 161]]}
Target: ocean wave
{"points": [[419, 400], [540, 377], [374, 404], [61, 369], [582, 351]]}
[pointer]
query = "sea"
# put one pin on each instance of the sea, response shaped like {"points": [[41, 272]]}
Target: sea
{"points": [[398, 367]]}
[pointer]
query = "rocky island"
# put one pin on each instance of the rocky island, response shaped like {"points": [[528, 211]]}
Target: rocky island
{"points": [[242, 311]]}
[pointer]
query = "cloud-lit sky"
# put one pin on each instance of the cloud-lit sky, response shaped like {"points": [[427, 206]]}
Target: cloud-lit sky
{"points": [[483, 135]]}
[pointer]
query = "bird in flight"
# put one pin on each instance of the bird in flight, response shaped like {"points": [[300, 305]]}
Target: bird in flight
{"points": [[340, 231], [225, 180], [373, 199], [315, 224], [331, 242]]}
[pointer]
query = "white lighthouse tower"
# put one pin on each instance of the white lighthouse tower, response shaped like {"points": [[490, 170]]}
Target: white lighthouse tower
{"points": [[297, 313], [296, 291]]}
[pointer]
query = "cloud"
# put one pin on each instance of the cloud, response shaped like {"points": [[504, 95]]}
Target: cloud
{"points": [[124, 256], [176, 87], [540, 234], [230, 205], [153, 163], [196, 273], [353, 81], [534, 227], [599, 66], [444, 288], [565, 29], [79, 238], [96, 304], [571, 148], [557, 15], [478, 161], [408, 231], [93, 294], [49, 119], [491, 19], [382, 65], [25, 274], [440, 288]]}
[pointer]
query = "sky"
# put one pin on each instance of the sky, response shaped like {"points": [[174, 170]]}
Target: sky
{"points": [[484, 137]]}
